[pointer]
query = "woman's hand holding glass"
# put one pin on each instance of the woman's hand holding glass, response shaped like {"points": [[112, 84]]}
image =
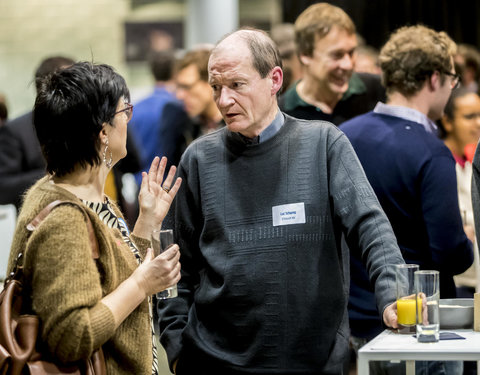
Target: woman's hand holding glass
{"points": [[158, 273], [155, 198], [152, 276]]}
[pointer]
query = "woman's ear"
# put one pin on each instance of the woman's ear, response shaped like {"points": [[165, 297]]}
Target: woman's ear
{"points": [[447, 124], [103, 134]]}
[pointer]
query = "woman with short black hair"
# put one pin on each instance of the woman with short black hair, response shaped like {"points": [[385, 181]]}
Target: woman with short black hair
{"points": [[80, 116]]}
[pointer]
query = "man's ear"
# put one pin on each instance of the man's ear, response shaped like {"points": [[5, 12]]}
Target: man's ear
{"points": [[305, 60], [277, 79], [434, 81]]}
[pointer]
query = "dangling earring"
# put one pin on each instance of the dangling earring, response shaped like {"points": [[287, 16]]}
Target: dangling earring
{"points": [[108, 162]]}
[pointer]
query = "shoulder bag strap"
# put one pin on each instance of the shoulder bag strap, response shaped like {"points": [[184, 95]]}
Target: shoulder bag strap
{"points": [[44, 213]]}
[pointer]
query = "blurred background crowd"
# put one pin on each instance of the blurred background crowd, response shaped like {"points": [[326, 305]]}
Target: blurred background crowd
{"points": [[162, 48]]}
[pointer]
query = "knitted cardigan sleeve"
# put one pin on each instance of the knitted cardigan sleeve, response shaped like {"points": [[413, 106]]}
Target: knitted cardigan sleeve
{"points": [[64, 276]]}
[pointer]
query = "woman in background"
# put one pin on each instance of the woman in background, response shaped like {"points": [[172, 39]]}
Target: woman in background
{"points": [[80, 116], [460, 130]]}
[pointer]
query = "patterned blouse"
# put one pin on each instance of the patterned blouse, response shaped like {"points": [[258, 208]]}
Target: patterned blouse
{"points": [[107, 215]]}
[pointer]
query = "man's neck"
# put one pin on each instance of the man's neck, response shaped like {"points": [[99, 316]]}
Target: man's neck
{"points": [[416, 101], [267, 121], [317, 95]]}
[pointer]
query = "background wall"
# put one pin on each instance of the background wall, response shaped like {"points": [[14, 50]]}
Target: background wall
{"points": [[101, 30], [376, 19], [31, 30]]}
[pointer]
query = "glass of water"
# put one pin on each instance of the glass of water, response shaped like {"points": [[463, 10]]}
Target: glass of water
{"points": [[161, 240], [427, 285]]}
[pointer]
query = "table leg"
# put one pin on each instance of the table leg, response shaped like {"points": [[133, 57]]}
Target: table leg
{"points": [[362, 366], [410, 367]]}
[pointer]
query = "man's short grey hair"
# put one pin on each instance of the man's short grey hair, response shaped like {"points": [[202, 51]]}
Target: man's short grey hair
{"points": [[265, 55]]}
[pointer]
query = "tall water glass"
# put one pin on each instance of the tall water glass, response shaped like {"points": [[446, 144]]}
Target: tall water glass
{"points": [[161, 240], [427, 285], [406, 301]]}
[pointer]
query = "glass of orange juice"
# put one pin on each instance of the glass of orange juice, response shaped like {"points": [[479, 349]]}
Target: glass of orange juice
{"points": [[406, 297]]}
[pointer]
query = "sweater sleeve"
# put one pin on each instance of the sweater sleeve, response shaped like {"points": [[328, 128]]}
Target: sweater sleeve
{"points": [[365, 225], [185, 216], [66, 288]]}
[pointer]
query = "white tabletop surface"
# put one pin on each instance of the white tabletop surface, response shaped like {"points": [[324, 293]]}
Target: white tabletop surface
{"points": [[388, 341], [393, 346]]}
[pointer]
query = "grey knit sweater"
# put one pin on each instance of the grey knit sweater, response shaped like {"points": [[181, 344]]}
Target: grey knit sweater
{"points": [[262, 298]]}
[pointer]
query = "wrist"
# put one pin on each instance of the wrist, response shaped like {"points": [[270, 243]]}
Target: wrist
{"points": [[137, 283], [144, 226]]}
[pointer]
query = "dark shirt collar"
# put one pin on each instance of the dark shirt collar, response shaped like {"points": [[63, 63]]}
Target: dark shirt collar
{"points": [[293, 100]]}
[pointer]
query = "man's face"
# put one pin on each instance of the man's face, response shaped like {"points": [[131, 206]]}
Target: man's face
{"points": [[331, 64], [442, 93], [195, 93], [245, 100]]}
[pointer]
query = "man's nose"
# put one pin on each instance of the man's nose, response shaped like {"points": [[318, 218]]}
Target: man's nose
{"points": [[347, 62], [224, 98], [180, 93]]}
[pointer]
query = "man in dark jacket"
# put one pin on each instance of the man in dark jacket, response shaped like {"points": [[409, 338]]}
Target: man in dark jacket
{"points": [[410, 169], [21, 160]]}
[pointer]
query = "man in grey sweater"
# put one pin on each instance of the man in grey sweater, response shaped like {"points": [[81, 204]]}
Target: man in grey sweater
{"points": [[259, 219]]}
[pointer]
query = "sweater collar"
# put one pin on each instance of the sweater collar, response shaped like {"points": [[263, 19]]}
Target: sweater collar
{"points": [[406, 113], [280, 127], [267, 133]]}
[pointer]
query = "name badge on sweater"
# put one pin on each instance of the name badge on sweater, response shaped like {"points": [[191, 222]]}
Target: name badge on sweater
{"points": [[286, 214]]}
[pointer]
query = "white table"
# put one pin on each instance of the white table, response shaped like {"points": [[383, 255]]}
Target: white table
{"points": [[389, 346]]}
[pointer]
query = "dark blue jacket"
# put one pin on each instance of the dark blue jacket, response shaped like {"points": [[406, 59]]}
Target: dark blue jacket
{"points": [[413, 174]]}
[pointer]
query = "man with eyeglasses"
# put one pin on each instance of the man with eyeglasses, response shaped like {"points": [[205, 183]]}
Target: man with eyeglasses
{"points": [[411, 170], [148, 120], [196, 94]]}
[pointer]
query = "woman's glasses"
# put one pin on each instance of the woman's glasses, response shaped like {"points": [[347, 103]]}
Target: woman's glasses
{"points": [[128, 111]]}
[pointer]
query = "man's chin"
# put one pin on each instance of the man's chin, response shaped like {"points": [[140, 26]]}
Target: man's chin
{"points": [[339, 88], [234, 126]]}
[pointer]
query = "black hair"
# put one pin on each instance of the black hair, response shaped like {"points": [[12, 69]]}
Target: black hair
{"points": [[50, 65], [449, 110], [71, 108]]}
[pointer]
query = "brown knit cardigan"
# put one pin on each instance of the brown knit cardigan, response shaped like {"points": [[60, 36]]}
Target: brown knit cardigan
{"points": [[67, 284]]}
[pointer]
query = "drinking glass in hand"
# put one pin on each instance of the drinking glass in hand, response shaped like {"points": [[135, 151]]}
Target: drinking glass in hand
{"points": [[406, 301], [161, 240]]}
